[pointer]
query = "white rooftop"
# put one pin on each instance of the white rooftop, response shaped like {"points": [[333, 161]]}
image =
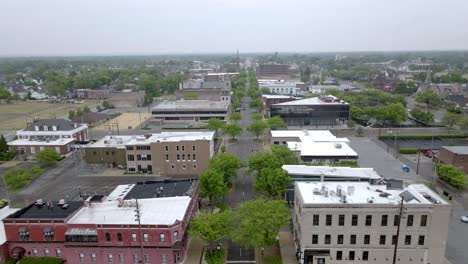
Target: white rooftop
{"points": [[192, 105], [368, 173], [313, 148], [324, 193], [4, 212], [122, 141], [315, 101], [29, 142], [276, 96], [308, 135], [154, 211]]}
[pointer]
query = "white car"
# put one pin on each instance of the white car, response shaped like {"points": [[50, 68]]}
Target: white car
{"points": [[464, 219]]}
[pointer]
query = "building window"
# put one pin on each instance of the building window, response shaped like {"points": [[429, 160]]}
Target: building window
{"points": [[382, 239], [354, 220], [421, 240], [134, 237], [129, 147], [145, 237], [178, 156], [351, 255], [172, 166], [23, 233], [189, 157], [409, 220], [328, 220], [121, 258], [81, 257], [108, 237], [130, 157], [146, 258], [93, 257], [167, 157], [394, 239], [138, 157], [110, 258], [167, 148], [148, 157], [327, 239], [314, 239], [193, 148], [365, 255], [107, 153], [315, 219], [48, 234], [46, 252], [194, 166], [368, 220], [341, 220], [183, 156], [339, 255], [119, 237], [162, 237], [163, 259], [384, 220], [194, 158], [352, 240], [177, 148], [340, 239], [183, 166], [366, 239], [408, 240], [423, 220], [34, 252], [396, 220], [183, 148], [58, 252], [135, 258], [175, 235]]}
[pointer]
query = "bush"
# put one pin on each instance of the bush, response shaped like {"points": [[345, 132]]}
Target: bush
{"points": [[48, 156], [408, 150], [17, 178], [214, 256], [452, 176], [41, 260], [37, 170], [3, 203]]}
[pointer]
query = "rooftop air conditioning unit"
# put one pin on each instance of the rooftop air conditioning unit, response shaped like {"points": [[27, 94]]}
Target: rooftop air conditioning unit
{"points": [[338, 145]]}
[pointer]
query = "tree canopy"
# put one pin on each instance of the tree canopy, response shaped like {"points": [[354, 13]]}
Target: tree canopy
{"points": [[212, 185], [211, 227], [272, 182], [257, 128], [276, 122], [47, 156], [233, 130], [428, 97], [227, 165], [215, 124], [235, 116]]}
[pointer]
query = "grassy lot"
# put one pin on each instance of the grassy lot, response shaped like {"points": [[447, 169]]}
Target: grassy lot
{"points": [[13, 116]]}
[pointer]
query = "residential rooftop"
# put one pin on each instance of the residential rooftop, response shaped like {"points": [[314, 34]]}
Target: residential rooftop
{"points": [[333, 172], [459, 150], [47, 210], [59, 124], [191, 105], [326, 193], [122, 141], [326, 100]]}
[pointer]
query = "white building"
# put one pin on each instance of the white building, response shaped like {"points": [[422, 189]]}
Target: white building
{"points": [[356, 222], [314, 145], [280, 86]]}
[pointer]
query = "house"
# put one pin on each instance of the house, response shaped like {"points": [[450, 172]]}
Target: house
{"points": [[58, 134], [358, 222]]}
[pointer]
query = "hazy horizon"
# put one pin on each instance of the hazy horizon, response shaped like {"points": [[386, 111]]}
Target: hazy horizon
{"points": [[127, 28]]}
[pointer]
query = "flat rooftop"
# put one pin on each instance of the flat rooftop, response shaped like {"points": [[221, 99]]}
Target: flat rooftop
{"points": [[34, 142], [154, 211], [153, 189], [276, 96], [4, 213], [339, 172], [315, 101], [460, 150], [325, 193], [322, 149], [44, 211], [308, 135], [191, 105], [122, 141]]}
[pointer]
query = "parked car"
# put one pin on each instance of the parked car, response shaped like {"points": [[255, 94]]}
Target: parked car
{"points": [[427, 153], [464, 219]]}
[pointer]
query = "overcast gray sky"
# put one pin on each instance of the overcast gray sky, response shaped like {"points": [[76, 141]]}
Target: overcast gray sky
{"points": [[88, 27]]}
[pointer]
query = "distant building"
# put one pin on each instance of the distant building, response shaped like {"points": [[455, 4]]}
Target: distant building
{"points": [[314, 146], [127, 99], [357, 222], [280, 86], [191, 110], [166, 153], [315, 111], [271, 99], [454, 155], [104, 229], [204, 90], [92, 94], [272, 69], [58, 134], [93, 118], [220, 76]]}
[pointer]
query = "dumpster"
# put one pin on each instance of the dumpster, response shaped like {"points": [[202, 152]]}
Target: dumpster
{"points": [[405, 168]]}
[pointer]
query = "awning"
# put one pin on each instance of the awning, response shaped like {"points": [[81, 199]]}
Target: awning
{"points": [[81, 231]]}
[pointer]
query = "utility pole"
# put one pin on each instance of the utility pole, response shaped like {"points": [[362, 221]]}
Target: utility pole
{"points": [[138, 220], [398, 231], [419, 155]]}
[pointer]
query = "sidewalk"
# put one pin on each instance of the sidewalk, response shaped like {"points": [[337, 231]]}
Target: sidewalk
{"points": [[288, 250], [194, 251]]}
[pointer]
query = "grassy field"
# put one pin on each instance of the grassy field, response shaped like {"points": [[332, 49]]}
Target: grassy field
{"points": [[15, 115]]}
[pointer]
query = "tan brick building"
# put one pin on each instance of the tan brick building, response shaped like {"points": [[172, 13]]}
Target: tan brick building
{"points": [[166, 153], [454, 155]]}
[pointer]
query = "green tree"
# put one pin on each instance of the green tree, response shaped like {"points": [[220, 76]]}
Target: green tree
{"points": [[424, 117], [17, 178], [351, 123], [428, 97], [106, 104], [215, 124], [211, 227], [452, 175], [47, 156], [276, 122], [263, 160], [79, 112], [232, 130], [71, 114], [3, 144], [256, 103], [212, 185], [395, 113], [256, 117], [227, 165], [257, 222], [235, 116], [272, 182], [284, 154], [4, 93], [257, 128], [464, 125], [405, 87], [359, 132], [86, 109], [450, 120]]}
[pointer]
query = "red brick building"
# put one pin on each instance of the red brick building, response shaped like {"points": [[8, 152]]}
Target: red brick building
{"points": [[271, 99], [104, 229]]}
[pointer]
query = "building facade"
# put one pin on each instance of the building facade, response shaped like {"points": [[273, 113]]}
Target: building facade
{"points": [[271, 99], [454, 155], [92, 94], [280, 86], [316, 111], [191, 110], [272, 69], [345, 222], [103, 229], [127, 98], [57, 134], [167, 153]]}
